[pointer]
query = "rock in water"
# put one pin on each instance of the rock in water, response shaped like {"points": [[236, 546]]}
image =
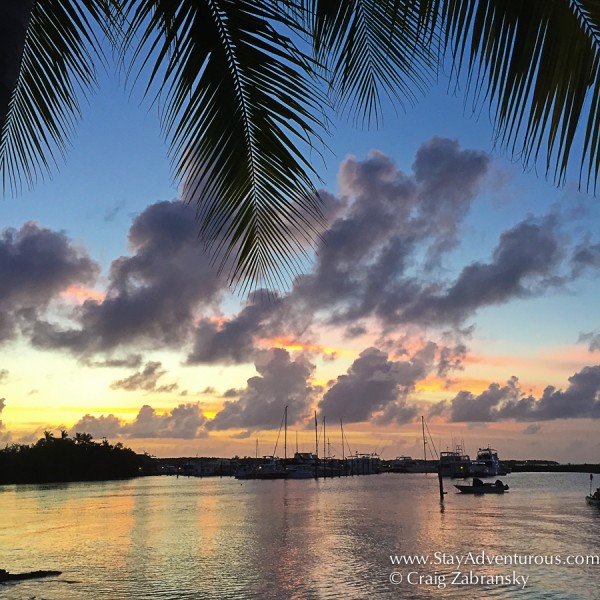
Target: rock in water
{"points": [[6, 576]]}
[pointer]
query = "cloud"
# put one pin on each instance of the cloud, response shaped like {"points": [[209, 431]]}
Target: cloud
{"points": [[532, 429], [523, 264], [389, 232], [103, 426], [5, 436], [438, 409], [451, 358], [366, 264], [146, 380], [586, 256], [448, 180], [111, 212], [593, 338], [467, 407], [580, 400], [233, 341], [381, 226], [238, 339], [376, 387], [131, 361], [383, 257], [183, 422], [152, 295], [280, 382], [36, 265]]}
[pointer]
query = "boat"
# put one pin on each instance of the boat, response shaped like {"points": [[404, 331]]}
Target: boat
{"points": [[268, 468], [302, 466], [300, 471], [455, 464], [271, 470], [401, 464], [406, 464], [481, 469], [487, 459], [593, 499], [479, 487], [245, 472]]}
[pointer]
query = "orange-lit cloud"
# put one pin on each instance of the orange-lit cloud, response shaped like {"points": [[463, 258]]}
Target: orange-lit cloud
{"points": [[475, 385], [219, 321], [438, 384], [80, 294], [293, 345]]}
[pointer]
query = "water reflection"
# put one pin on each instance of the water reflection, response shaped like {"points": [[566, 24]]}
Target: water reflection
{"points": [[219, 538]]}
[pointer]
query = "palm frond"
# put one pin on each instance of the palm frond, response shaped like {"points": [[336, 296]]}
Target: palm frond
{"points": [[373, 47], [238, 107], [537, 62], [49, 49]]}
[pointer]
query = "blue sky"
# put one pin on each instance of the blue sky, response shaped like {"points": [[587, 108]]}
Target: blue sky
{"points": [[191, 393]]}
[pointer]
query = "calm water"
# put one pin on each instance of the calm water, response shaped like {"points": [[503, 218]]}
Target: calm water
{"points": [[169, 538]]}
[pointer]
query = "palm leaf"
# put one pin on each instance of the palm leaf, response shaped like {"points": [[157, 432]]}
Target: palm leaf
{"points": [[373, 47], [239, 107], [48, 49], [537, 63]]}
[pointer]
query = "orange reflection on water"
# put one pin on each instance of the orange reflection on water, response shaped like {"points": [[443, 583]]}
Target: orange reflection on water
{"points": [[209, 518], [65, 519]]}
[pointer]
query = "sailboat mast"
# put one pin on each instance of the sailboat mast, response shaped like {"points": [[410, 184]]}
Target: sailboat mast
{"points": [[285, 434], [343, 451], [316, 436], [424, 441], [324, 448]]}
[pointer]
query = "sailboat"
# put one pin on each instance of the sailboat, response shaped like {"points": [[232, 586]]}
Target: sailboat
{"points": [[269, 467]]}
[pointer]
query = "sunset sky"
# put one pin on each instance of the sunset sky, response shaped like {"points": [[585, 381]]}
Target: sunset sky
{"points": [[451, 285]]}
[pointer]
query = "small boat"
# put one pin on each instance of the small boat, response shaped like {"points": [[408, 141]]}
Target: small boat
{"points": [[479, 487], [593, 499]]}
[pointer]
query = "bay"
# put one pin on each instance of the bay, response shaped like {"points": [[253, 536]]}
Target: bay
{"points": [[189, 538]]}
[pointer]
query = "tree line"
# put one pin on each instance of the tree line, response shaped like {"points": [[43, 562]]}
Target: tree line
{"points": [[63, 458]]}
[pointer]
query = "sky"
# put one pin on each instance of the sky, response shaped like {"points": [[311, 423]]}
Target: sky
{"points": [[452, 284]]}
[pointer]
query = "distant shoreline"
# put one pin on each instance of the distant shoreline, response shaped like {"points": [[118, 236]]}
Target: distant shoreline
{"points": [[535, 467]]}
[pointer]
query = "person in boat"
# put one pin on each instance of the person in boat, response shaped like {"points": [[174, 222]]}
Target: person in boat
{"points": [[596, 494], [477, 482]]}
